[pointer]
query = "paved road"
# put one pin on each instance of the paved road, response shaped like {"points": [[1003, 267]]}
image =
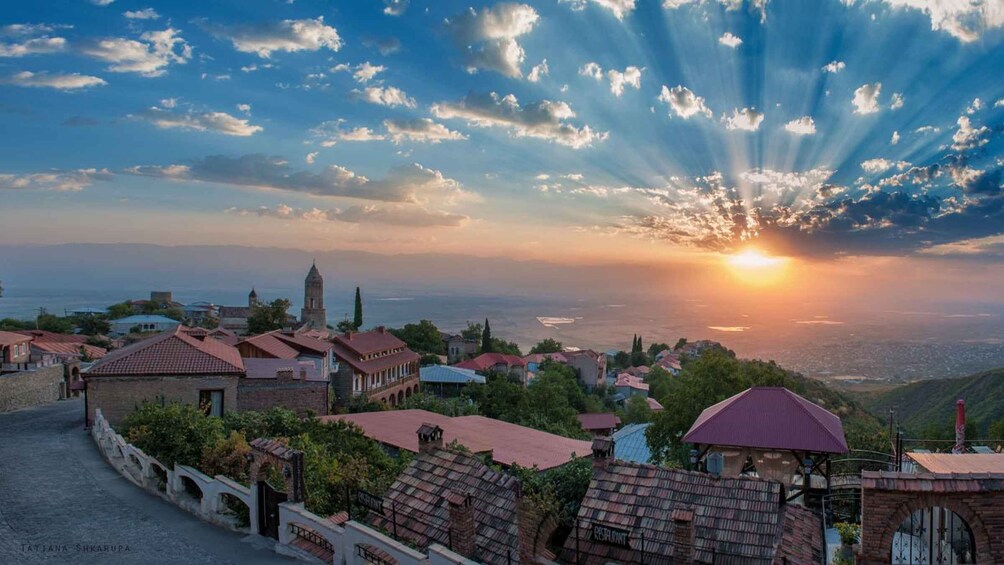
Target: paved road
{"points": [[60, 502]]}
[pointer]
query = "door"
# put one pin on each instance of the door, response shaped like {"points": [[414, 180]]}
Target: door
{"points": [[268, 509]]}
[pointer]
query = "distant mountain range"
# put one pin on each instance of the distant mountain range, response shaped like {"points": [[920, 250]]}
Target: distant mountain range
{"points": [[920, 404]]}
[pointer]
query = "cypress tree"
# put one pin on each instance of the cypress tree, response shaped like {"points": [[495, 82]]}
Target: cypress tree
{"points": [[486, 338], [641, 348], [357, 320]]}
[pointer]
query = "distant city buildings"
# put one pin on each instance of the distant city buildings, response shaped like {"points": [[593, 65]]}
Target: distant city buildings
{"points": [[143, 323]]}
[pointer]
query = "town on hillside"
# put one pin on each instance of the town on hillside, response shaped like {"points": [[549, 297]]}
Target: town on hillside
{"points": [[356, 444]]}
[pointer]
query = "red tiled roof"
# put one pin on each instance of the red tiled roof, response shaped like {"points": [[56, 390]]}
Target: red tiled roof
{"points": [[272, 345], [52, 337], [421, 511], [631, 381], [226, 336], [509, 443], [365, 343], [171, 353], [541, 357], [769, 418], [11, 338], [734, 520], [301, 341], [373, 365], [195, 332], [69, 348], [605, 421], [486, 361], [654, 405]]}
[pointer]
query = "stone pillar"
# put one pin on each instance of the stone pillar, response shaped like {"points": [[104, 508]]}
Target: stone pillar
{"points": [[462, 530], [683, 536], [603, 454]]}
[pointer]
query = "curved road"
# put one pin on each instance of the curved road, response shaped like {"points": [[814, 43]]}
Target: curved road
{"points": [[60, 502]]}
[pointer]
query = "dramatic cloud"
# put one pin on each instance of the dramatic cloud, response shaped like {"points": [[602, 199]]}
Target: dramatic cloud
{"points": [[488, 36], [218, 122], [684, 102], [52, 80], [407, 183], [620, 8], [802, 126], [149, 56], [965, 20], [834, 67], [395, 7], [385, 96], [144, 14], [729, 40], [865, 99], [287, 35], [897, 101], [410, 216], [729, 5], [542, 120], [34, 46], [746, 119], [967, 137], [64, 181], [875, 166], [422, 130], [538, 71]]}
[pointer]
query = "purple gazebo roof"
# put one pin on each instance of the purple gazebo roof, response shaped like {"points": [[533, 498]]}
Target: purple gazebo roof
{"points": [[769, 418]]}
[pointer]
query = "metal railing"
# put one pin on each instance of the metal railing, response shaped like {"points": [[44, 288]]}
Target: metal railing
{"points": [[311, 536]]}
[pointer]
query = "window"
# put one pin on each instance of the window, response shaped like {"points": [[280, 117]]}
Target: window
{"points": [[211, 402]]}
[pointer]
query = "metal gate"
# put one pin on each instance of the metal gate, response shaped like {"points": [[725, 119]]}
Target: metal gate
{"points": [[268, 509]]}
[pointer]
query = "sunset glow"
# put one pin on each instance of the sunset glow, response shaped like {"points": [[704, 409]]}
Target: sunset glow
{"points": [[757, 268]]}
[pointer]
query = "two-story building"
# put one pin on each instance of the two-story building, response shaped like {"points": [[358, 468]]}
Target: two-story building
{"points": [[15, 350], [375, 365]]}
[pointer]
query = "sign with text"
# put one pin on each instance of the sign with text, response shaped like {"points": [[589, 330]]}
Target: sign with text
{"points": [[370, 501], [611, 536]]}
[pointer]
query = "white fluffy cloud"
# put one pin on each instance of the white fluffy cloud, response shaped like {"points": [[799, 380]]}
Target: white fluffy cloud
{"points": [[286, 35], [865, 99], [591, 69], [834, 67], [538, 71], [875, 166], [395, 7], [422, 130], [683, 101], [968, 137], [619, 8], [385, 96], [631, 76], [144, 14], [729, 5], [897, 101], [365, 72], [729, 40], [802, 126], [149, 56], [895, 138], [58, 81], [64, 181], [218, 122], [488, 36], [33, 46], [412, 216], [542, 120], [746, 119], [965, 20]]}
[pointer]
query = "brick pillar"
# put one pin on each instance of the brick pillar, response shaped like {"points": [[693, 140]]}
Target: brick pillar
{"points": [[462, 530], [430, 438], [603, 453], [528, 518], [683, 536]]}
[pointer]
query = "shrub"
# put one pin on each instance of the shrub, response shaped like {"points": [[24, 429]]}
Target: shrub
{"points": [[173, 433]]}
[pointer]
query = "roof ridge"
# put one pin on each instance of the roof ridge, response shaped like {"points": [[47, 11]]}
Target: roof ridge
{"points": [[695, 429], [798, 398]]}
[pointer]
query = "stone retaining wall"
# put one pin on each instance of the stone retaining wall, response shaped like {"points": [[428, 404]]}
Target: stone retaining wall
{"points": [[30, 388]]}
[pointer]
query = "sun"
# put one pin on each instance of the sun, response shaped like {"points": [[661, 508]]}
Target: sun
{"points": [[753, 266]]}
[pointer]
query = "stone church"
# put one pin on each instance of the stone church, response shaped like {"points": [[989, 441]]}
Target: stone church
{"points": [[313, 315]]}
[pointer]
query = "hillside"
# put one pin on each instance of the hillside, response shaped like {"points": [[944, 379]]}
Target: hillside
{"points": [[920, 404]]}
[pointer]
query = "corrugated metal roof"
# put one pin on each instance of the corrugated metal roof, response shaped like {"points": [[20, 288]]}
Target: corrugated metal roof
{"points": [[630, 444], [960, 462], [449, 375], [769, 418], [146, 319]]}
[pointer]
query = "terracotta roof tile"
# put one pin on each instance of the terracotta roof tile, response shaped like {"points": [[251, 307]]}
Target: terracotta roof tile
{"points": [[486, 361], [69, 348], [270, 344], [373, 365], [171, 353], [365, 343], [52, 337], [603, 421]]}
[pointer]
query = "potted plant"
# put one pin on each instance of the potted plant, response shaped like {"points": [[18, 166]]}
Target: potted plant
{"points": [[849, 534]]}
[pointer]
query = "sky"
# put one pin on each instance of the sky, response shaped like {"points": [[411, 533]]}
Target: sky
{"points": [[839, 135]]}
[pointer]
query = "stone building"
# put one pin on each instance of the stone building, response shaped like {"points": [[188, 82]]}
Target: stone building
{"points": [[313, 315], [235, 318], [15, 350], [375, 365], [297, 385]]}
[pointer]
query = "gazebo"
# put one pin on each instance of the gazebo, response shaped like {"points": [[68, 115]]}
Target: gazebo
{"points": [[771, 431]]}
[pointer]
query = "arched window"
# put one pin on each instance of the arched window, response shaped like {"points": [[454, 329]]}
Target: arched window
{"points": [[932, 536]]}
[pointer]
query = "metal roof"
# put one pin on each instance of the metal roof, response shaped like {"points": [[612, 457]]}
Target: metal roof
{"points": [[630, 444], [146, 319], [960, 462], [449, 375]]}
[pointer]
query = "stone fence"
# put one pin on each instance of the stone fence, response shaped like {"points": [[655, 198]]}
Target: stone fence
{"points": [[33, 386], [214, 499]]}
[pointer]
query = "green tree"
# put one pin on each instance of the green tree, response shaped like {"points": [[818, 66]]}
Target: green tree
{"points": [[558, 491], [118, 311], [357, 319], [53, 323], [430, 359], [634, 344], [173, 433], [548, 345], [93, 325], [680, 343], [346, 325], [657, 348], [622, 359], [660, 382], [636, 411], [507, 347], [11, 324], [423, 337], [996, 432], [486, 338], [269, 316], [473, 331], [460, 406]]}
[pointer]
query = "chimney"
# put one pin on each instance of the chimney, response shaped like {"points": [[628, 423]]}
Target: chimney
{"points": [[348, 335], [430, 438], [284, 374], [603, 453], [382, 329], [683, 536], [960, 427], [462, 533]]}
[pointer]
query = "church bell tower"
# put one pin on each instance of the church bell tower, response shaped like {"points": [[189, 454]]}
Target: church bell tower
{"points": [[313, 315]]}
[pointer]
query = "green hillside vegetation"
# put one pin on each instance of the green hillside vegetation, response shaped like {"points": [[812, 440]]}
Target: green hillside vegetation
{"points": [[927, 408], [717, 374]]}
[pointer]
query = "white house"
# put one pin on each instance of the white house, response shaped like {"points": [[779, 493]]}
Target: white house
{"points": [[145, 323]]}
